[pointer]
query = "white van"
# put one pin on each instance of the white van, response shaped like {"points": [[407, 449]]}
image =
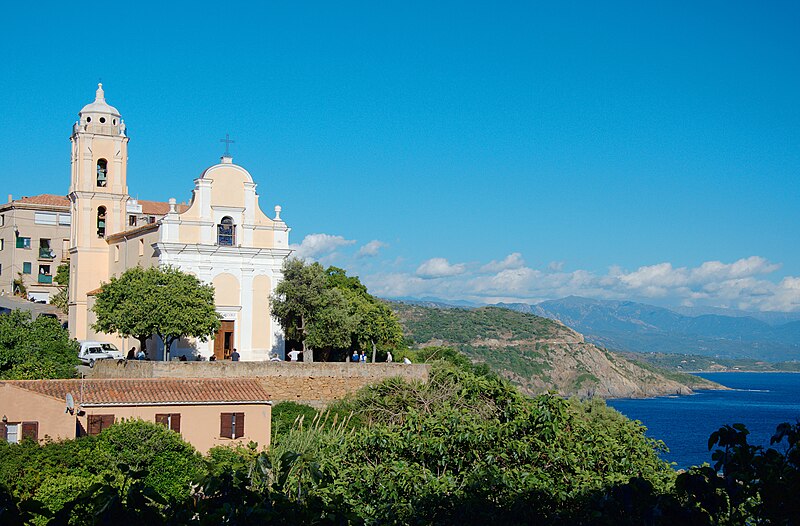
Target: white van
{"points": [[91, 352]]}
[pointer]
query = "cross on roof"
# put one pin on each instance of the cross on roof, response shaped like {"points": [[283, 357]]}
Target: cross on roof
{"points": [[227, 140]]}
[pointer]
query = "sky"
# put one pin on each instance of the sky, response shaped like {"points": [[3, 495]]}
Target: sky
{"points": [[481, 151]]}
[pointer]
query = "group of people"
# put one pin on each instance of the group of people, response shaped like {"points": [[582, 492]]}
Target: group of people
{"points": [[133, 355]]}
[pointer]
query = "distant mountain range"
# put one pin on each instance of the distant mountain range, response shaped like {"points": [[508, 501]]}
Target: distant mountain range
{"points": [[638, 327]]}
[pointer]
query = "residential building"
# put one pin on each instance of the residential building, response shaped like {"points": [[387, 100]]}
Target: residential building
{"points": [[207, 412]]}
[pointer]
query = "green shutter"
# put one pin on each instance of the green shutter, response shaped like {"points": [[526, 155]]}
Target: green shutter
{"points": [[26, 267]]}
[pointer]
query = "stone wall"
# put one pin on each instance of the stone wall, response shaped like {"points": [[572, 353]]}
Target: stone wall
{"points": [[309, 383]]}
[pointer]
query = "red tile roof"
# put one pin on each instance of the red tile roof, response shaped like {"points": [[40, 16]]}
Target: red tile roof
{"points": [[149, 391], [157, 208], [44, 199]]}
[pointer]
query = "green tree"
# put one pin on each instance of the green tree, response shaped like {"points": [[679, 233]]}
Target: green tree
{"points": [[374, 322], [35, 349], [156, 300], [310, 310], [61, 298]]}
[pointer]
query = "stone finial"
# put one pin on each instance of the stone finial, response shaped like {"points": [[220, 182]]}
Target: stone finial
{"points": [[278, 213], [100, 95], [173, 205]]}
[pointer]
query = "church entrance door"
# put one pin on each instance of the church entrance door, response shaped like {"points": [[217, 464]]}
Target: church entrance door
{"points": [[223, 341]]}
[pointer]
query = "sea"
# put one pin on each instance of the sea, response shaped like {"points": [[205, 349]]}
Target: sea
{"points": [[760, 401]]}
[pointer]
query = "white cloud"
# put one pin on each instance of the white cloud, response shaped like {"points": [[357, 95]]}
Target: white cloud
{"points": [[513, 260], [371, 249], [439, 268], [744, 284], [317, 245]]}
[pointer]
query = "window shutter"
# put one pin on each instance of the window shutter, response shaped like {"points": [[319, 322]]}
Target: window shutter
{"points": [[225, 428], [175, 422], [108, 421], [30, 430], [239, 425], [5, 432], [94, 422], [162, 419]]}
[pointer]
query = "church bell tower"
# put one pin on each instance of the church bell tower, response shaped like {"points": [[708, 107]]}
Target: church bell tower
{"points": [[98, 194]]}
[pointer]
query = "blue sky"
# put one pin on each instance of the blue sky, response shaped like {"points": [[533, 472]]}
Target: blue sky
{"points": [[482, 151]]}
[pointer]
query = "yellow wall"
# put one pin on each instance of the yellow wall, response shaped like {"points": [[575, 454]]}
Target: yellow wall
{"points": [[21, 405], [262, 323], [226, 290]]}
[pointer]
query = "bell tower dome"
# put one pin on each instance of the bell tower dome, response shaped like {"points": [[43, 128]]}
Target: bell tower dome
{"points": [[98, 194]]}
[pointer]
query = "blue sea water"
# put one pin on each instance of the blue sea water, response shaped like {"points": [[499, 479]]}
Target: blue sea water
{"points": [[761, 401]]}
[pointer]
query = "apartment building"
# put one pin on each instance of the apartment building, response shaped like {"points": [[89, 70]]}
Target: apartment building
{"points": [[34, 240]]}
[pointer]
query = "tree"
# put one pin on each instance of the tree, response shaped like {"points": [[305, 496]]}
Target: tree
{"points": [[35, 349], [329, 310], [61, 298], [157, 300], [309, 310], [375, 323]]}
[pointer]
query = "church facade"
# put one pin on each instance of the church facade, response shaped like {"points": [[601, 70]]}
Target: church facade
{"points": [[222, 237]]}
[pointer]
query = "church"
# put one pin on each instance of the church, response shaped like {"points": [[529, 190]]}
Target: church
{"points": [[222, 237]]}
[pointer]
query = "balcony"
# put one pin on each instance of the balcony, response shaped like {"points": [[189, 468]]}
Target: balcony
{"points": [[44, 278], [46, 253]]}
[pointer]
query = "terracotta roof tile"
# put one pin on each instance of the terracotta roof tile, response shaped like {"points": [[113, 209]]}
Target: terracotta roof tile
{"points": [[44, 199], [143, 391], [157, 208]]}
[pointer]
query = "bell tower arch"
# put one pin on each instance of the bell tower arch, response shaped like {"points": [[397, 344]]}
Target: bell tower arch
{"points": [[98, 195]]}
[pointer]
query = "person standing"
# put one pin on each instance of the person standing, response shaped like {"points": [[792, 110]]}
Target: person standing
{"points": [[235, 355], [131, 354], [355, 357], [294, 355], [363, 358]]}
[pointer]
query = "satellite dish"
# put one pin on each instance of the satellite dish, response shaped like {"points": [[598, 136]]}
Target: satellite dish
{"points": [[70, 403]]}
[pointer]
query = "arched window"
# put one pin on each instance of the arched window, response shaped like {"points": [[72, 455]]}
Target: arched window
{"points": [[101, 221], [226, 232], [102, 172]]}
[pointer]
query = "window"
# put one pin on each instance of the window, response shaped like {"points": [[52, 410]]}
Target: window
{"points": [[64, 219], [231, 425], [101, 221], [226, 232], [102, 172], [97, 423], [14, 433], [141, 247], [3, 220], [116, 253], [152, 219], [44, 274], [65, 249], [171, 420], [23, 242], [45, 252], [131, 220], [26, 267], [2, 244], [45, 218]]}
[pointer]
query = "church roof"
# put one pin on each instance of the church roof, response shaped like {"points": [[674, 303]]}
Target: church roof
{"points": [[158, 208], [100, 105], [149, 391]]}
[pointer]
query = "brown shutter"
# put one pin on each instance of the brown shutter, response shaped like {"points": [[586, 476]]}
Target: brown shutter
{"points": [[108, 421], [162, 419], [175, 422], [225, 421], [5, 432], [30, 430], [239, 425], [94, 422]]}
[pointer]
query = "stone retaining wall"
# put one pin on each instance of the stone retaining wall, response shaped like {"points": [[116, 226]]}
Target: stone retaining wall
{"points": [[315, 383]]}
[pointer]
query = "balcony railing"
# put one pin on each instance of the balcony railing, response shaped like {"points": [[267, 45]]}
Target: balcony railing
{"points": [[46, 253], [43, 278]]}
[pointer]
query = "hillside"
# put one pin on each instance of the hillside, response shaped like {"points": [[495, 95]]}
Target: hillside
{"points": [[538, 354], [638, 327]]}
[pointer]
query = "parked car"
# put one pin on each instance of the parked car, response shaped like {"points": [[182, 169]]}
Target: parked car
{"points": [[91, 352]]}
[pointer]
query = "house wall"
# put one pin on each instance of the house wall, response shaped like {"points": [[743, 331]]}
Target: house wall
{"points": [[200, 424], [21, 405]]}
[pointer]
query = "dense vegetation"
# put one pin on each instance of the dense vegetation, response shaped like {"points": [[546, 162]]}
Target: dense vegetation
{"points": [[32, 349], [465, 447]]}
